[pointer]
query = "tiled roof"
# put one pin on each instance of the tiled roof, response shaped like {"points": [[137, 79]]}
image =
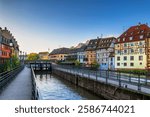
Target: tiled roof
{"points": [[82, 48], [60, 51], [92, 44], [112, 54], [43, 53], [134, 33], [105, 42]]}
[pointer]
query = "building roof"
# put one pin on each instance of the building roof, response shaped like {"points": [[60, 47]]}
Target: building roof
{"points": [[43, 52], [134, 32], [112, 54], [60, 51], [105, 42], [92, 45], [82, 48]]}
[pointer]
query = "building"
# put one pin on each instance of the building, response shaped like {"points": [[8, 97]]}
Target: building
{"points": [[15, 47], [132, 48], [43, 55], [59, 54], [72, 55], [8, 46], [91, 51], [5, 48], [105, 53], [81, 54]]}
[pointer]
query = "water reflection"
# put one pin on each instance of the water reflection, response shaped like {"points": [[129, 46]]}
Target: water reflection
{"points": [[54, 88]]}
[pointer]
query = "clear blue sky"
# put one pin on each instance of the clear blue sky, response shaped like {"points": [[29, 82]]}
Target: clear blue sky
{"points": [[42, 24]]}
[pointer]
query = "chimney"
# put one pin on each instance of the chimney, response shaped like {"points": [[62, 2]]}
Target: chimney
{"points": [[139, 23], [5, 28], [97, 37]]}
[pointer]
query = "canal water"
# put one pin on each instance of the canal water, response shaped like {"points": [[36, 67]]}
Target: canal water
{"points": [[55, 88]]}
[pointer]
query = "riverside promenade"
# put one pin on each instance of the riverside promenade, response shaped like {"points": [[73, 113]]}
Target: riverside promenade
{"points": [[20, 88]]}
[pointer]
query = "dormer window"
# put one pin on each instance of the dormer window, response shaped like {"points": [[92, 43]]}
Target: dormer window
{"points": [[142, 31], [141, 36], [123, 39], [131, 38]]}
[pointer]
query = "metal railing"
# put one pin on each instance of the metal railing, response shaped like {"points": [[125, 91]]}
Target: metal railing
{"points": [[136, 82], [6, 77], [35, 90]]}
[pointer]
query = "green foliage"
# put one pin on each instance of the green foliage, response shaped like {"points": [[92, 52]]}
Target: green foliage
{"points": [[77, 63], [135, 71], [10, 64], [33, 56], [15, 61], [95, 65]]}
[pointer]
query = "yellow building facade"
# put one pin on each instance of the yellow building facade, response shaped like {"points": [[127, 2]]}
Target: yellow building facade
{"points": [[130, 48]]}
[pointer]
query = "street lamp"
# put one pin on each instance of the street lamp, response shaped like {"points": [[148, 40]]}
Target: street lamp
{"points": [[11, 45]]}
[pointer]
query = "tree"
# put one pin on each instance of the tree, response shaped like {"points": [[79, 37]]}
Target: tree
{"points": [[95, 65], [33, 56], [77, 63]]}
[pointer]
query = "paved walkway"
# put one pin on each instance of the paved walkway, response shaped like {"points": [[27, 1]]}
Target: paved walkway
{"points": [[20, 88]]}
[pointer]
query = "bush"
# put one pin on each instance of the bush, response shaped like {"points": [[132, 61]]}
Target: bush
{"points": [[135, 71], [95, 65], [77, 63]]}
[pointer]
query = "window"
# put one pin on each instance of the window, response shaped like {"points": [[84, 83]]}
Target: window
{"points": [[118, 58], [118, 39], [111, 59], [140, 63], [141, 36], [131, 58], [132, 44], [131, 38], [125, 45], [118, 52], [141, 50], [123, 39], [140, 43], [118, 64], [125, 51], [132, 64], [131, 51], [140, 58], [125, 64], [125, 58]]}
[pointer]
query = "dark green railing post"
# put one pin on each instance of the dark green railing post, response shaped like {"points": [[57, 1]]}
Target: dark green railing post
{"points": [[139, 85], [106, 77], [119, 76]]}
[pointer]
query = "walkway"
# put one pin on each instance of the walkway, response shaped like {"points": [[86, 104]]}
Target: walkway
{"points": [[20, 88]]}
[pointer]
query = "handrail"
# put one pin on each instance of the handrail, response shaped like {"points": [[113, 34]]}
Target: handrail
{"points": [[36, 95], [7, 76], [115, 78]]}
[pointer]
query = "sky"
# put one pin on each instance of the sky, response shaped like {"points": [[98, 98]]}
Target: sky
{"points": [[39, 25]]}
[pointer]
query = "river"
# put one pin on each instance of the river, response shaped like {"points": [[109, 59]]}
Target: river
{"points": [[55, 88]]}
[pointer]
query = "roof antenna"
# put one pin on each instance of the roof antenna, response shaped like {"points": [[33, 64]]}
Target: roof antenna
{"points": [[101, 35]]}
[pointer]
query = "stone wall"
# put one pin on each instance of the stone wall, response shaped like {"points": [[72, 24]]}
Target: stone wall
{"points": [[102, 89]]}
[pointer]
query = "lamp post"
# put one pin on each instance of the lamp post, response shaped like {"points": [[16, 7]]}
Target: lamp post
{"points": [[20, 56], [11, 45], [23, 57]]}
